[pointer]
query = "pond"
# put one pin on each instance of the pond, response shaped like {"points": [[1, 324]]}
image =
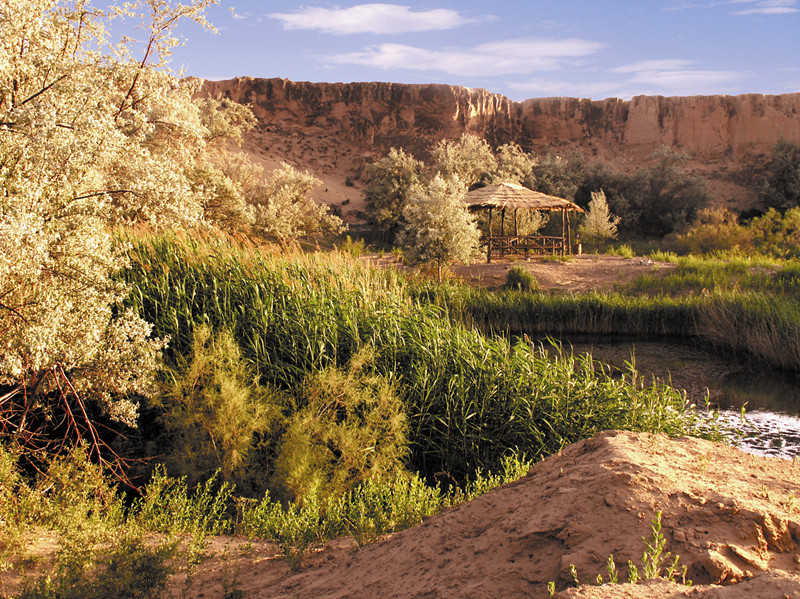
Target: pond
{"points": [[771, 398]]}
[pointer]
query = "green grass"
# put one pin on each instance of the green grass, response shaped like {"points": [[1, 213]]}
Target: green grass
{"points": [[469, 398]]}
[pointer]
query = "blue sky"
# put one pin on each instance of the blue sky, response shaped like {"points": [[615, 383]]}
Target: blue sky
{"points": [[522, 49]]}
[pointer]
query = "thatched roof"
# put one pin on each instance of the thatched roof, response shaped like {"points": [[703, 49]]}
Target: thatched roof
{"points": [[512, 195]]}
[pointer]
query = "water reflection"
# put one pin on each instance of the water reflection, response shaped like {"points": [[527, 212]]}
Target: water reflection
{"points": [[772, 399]]}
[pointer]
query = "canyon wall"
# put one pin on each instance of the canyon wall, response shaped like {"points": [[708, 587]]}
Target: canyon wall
{"points": [[335, 129]]}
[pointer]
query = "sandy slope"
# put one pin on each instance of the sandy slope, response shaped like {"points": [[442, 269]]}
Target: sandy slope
{"points": [[730, 516]]}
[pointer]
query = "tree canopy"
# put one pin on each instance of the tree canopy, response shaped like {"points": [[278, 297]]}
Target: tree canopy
{"points": [[94, 136]]}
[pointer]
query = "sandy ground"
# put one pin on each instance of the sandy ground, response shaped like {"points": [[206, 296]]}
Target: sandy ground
{"points": [[578, 273], [731, 517]]}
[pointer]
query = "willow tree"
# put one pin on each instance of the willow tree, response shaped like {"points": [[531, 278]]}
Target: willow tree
{"points": [[438, 228], [94, 134]]}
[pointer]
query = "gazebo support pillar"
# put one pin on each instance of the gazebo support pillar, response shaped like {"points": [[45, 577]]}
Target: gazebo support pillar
{"points": [[489, 241], [569, 233], [563, 230], [503, 232]]}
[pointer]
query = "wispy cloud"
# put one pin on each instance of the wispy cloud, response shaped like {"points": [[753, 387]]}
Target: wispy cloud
{"points": [[371, 18], [768, 7], [676, 76], [758, 7], [670, 77], [516, 56]]}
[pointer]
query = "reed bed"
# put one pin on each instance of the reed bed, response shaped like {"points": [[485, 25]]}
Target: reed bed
{"points": [[471, 399]]}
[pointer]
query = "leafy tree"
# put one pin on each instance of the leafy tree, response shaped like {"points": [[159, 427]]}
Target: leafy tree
{"points": [[470, 159], [390, 180], [91, 137], [599, 225], [513, 164], [439, 230], [781, 186], [556, 175], [284, 211], [666, 198]]}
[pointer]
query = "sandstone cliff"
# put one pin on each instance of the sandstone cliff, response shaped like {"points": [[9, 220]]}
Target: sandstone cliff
{"points": [[335, 129]]}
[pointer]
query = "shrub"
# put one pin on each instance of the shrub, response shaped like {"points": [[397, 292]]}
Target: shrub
{"points": [[350, 427], [216, 414], [521, 280]]}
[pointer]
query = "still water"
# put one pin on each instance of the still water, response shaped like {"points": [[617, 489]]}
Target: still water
{"points": [[771, 399]]}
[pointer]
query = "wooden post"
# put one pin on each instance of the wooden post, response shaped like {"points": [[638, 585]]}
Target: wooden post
{"points": [[489, 241], [569, 234], [503, 232], [516, 231], [563, 229]]}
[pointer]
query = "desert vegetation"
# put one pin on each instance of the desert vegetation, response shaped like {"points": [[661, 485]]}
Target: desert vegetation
{"points": [[174, 367]]}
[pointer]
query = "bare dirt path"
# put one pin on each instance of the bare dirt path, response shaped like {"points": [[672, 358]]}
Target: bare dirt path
{"points": [[576, 274]]}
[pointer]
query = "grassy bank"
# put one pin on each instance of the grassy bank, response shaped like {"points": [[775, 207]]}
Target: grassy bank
{"points": [[469, 399], [749, 306]]}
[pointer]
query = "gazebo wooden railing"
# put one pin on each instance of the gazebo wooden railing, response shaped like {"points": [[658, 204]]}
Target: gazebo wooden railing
{"points": [[512, 196], [525, 245]]}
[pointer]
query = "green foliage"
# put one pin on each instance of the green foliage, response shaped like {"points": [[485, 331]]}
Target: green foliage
{"points": [[469, 399], [513, 164], [350, 427], [557, 175], [781, 186], [283, 209], [168, 506], [599, 225], [93, 136], [438, 227], [470, 160], [354, 248], [623, 250], [655, 200], [127, 569], [216, 415], [521, 280], [777, 234], [390, 180], [715, 230]]}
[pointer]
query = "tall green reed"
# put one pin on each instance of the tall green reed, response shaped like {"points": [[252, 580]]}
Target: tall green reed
{"points": [[470, 398]]}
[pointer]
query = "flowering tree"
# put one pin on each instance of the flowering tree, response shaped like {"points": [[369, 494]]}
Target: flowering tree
{"points": [[91, 138], [439, 230], [284, 211]]}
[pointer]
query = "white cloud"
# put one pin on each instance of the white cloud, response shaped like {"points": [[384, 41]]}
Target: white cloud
{"points": [[371, 18], [768, 7], [542, 88], [516, 56], [669, 77], [675, 76]]}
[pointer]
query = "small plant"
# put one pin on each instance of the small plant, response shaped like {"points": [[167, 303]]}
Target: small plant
{"points": [[623, 250], [655, 562], [520, 279], [354, 248]]}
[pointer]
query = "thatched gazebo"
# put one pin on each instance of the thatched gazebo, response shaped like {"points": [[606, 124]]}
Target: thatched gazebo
{"points": [[512, 196]]}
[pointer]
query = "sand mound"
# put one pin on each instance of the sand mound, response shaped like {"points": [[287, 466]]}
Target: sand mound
{"points": [[731, 517]]}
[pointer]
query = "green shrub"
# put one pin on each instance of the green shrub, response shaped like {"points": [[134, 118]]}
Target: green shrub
{"points": [[216, 415], [353, 248], [521, 280], [350, 427], [128, 569], [623, 250]]}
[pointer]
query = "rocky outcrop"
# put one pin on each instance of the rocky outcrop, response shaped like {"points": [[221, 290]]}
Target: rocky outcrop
{"points": [[334, 129]]}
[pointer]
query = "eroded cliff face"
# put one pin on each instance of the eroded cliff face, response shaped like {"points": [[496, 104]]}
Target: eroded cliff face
{"points": [[335, 129]]}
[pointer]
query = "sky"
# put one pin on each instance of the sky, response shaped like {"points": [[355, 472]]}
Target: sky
{"points": [[521, 49]]}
